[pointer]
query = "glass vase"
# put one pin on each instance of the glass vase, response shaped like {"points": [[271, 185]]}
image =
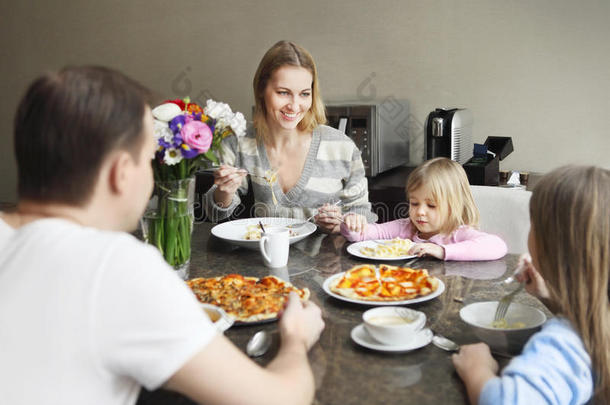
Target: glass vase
{"points": [[168, 222]]}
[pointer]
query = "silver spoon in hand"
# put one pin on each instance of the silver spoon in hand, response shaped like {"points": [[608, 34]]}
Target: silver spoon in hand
{"points": [[258, 344]]}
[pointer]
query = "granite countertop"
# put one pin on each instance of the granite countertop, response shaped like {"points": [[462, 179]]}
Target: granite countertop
{"points": [[346, 373]]}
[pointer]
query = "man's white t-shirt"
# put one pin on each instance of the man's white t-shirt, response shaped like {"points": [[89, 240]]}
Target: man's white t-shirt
{"points": [[5, 231], [89, 316]]}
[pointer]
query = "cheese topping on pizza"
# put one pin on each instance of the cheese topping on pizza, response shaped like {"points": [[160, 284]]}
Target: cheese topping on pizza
{"points": [[386, 283], [246, 299]]}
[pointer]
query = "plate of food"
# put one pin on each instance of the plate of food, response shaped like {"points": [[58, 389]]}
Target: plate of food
{"points": [[248, 300], [247, 232], [383, 285], [390, 249]]}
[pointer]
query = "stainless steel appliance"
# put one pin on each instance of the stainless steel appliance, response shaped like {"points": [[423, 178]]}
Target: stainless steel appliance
{"points": [[449, 134], [380, 131]]}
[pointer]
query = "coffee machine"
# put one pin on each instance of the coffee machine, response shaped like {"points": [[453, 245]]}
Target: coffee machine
{"points": [[449, 134]]}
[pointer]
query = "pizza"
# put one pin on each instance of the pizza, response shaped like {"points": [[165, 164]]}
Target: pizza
{"points": [[246, 299], [386, 283]]}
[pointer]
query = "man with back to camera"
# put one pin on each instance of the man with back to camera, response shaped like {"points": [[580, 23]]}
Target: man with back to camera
{"points": [[88, 313]]}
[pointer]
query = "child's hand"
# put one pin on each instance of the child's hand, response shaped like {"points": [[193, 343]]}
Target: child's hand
{"points": [[355, 222], [475, 366], [534, 283], [428, 249]]}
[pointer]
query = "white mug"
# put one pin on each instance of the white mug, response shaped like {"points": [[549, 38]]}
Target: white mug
{"points": [[274, 247]]}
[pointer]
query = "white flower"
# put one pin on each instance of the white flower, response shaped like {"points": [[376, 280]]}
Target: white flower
{"points": [[238, 124], [217, 110], [161, 130], [166, 112], [224, 117], [172, 156]]}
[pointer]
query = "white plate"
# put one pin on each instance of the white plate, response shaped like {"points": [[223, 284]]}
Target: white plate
{"points": [[328, 281], [234, 231], [355, 248], [362, 337]]}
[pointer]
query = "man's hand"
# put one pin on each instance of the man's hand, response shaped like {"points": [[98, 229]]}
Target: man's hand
{"points": [[302, 321]]}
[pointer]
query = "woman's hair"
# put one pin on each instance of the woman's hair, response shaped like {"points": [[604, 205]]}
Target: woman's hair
{"points": [[65, 126], [447, 182], [570, 216], [285, 53]]}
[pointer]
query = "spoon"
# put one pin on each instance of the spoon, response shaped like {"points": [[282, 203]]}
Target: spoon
{"points": [[446, 344], [258, 344], [449, 345]]}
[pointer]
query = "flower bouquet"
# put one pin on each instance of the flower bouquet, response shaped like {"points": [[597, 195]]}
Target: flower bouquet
{"points": [[188, 138]]}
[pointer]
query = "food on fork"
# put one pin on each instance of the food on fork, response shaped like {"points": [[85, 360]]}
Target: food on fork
{"points": [[246, 299], [386, 283], [389, 248], [271, 177]]}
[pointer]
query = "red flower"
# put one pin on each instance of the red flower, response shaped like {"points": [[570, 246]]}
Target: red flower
{"points": [[178, 102]]}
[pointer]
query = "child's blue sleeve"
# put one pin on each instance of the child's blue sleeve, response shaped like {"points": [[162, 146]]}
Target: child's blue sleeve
{"points": [[554, 368]]}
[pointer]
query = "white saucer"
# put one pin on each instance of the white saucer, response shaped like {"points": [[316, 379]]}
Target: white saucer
{"points": [[362, 337]]}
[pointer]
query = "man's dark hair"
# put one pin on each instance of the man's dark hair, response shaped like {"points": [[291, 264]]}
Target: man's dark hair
{"points": [[66, 125]]}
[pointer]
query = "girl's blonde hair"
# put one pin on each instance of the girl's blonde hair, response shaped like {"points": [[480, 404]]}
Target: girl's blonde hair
{"points": [[285, 53], [447, 182], [570, 216]]}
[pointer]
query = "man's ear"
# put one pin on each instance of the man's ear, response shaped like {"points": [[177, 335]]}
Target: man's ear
{"points": [[120, 171]]}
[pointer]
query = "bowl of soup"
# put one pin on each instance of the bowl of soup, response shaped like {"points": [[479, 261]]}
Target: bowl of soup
{"points": [[221, 320], [508, 335], [393, 325]]}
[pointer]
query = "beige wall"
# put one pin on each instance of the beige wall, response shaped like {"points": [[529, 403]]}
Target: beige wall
{"points": [[538, 71]]}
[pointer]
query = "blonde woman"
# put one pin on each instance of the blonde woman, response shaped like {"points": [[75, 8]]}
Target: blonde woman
{"points": [[298, 166], [568, 361], [442, 217]]}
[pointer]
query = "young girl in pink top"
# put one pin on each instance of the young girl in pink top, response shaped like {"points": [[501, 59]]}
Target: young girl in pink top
{"points": [[443, 217]]}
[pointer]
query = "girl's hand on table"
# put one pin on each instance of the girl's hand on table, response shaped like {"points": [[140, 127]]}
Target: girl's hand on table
{"points": [[475, 366], [355, 222], [329, 218], [428, 249], [301, 320], [227, 180]]}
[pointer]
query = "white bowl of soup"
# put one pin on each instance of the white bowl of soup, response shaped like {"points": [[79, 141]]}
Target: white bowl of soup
{"points": [[393, 325], [508, 335], [221, 320]]}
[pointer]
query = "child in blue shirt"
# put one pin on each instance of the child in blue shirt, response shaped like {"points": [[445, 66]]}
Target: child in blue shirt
{"points": [[568, 361]]}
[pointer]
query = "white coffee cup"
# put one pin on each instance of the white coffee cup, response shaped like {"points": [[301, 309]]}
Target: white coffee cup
{"points": [[274, 246], [393, 325]]}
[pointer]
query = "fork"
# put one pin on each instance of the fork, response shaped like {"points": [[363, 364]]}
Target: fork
{"points": [[300, 224], [505, 302]]}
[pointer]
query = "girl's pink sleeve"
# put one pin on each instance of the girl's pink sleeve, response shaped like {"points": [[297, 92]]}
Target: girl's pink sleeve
{"points": [[394, 229], [471, 244]]}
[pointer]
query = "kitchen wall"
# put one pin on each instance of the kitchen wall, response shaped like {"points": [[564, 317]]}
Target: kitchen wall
{"points": [[537, 71]]}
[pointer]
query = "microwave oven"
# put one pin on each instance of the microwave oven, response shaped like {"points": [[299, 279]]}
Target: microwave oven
{"points": [[379, 130]]}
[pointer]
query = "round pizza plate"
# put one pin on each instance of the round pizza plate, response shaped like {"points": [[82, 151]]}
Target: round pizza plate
{"points": [[355, 250], [328, 281], [234, 231]]}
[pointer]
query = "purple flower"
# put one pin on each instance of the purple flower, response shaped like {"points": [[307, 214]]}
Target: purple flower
{"points": [[188, 153], [164, 143], [177, 123]]}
